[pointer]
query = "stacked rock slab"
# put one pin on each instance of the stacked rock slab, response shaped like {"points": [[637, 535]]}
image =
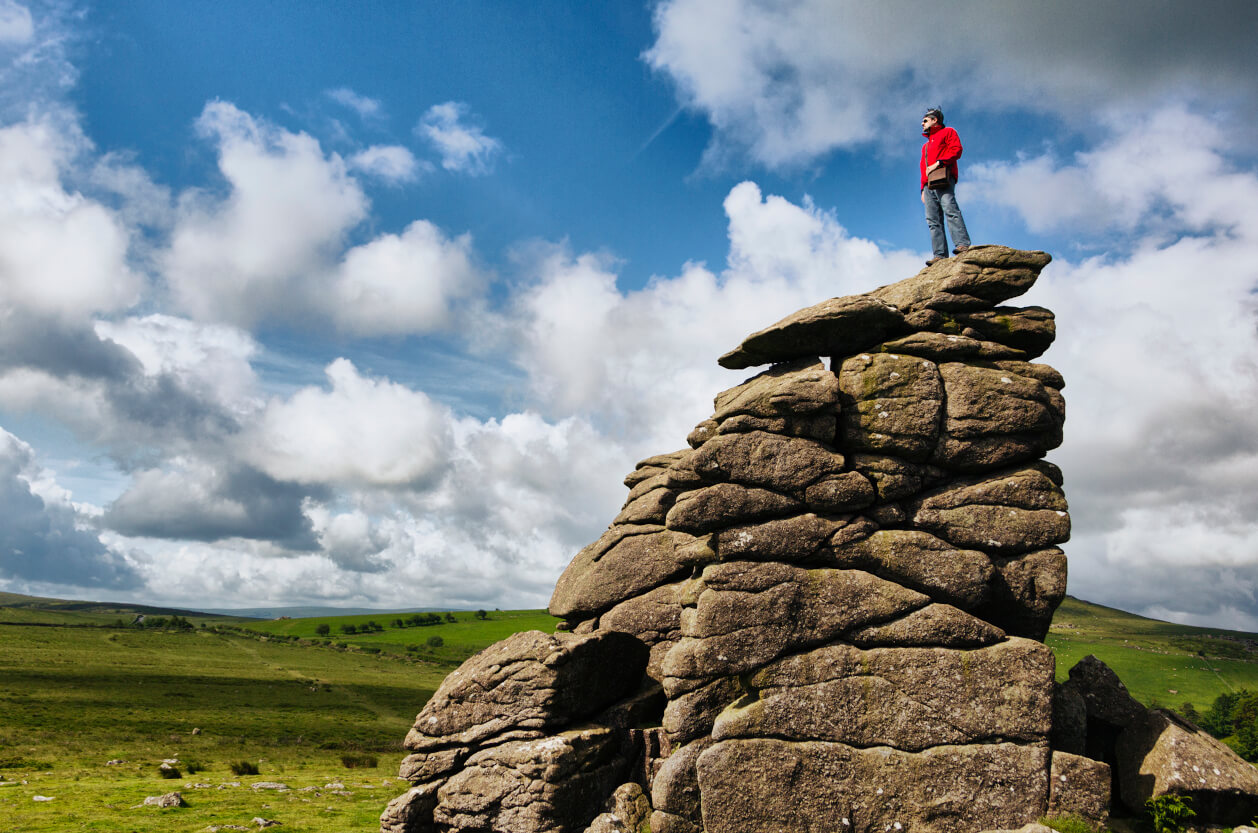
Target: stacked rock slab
{"points": [[825, 614]]}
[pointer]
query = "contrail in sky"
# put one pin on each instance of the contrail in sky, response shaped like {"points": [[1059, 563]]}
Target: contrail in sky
{"points": [[667, 123]]}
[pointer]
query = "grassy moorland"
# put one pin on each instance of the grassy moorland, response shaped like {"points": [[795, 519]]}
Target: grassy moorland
{"points": [[1161, 663], [326, 721], [324, 715], [459, 640]]}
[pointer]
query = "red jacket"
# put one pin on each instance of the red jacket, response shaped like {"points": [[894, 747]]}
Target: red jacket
{"points": [[942, 145]]}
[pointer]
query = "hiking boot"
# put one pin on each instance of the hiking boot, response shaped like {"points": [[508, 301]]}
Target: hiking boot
{"points": [[960, 249], [934, 260]]}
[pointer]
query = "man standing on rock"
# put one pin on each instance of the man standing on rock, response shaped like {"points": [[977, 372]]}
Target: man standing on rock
{"points": [[942, 149]]}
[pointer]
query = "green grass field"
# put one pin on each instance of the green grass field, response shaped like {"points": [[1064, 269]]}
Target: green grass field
{"points": [[460, 639], [1161, 663], [76, 694], [74, 698]]}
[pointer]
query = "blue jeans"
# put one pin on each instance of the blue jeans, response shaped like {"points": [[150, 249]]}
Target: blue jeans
{"points": [[941, 205]]}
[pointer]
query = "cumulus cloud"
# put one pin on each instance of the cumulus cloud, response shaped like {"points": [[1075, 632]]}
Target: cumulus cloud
{"points": [[358, 431], [273, 248], [42, 537], [464, 147], [520, 495], [239, 573], [788, 82], [60, 349], [1127, 183], [392, 164], [524, 478], [1159, 451], [62, 255], [407, 283], [138, 388], [352, 540], [210, 361], [517, 498], [199, 500], [367, 490], [243, 256], [643, 363]]}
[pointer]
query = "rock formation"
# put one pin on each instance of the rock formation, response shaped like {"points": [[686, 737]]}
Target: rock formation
{"points": [[825, 614]]}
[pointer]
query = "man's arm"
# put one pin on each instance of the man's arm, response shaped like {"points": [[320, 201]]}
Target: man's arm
{"points": [[949, 148]]}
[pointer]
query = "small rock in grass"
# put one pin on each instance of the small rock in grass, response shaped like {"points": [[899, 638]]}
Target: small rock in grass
{"points": [[115, 762], [269, 785], [334, 785], [167, 800], [227, 784], [261, 822], [41, 798]]}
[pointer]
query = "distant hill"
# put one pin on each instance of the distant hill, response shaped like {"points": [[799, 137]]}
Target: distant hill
{"points": [[19, 602], [1160, 662]]}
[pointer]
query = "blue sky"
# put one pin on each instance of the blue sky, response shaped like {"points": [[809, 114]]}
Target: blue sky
{"points": [[375, 304]]}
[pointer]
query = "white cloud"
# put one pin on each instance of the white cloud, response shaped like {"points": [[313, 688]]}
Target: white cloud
{"points": [[1159, 347], [210, 361], [350, 539], [238, 573], [643, 364], [1162, 402], [464, 147], [16, 25], [136, 387], [360, 431], [518, 497], [141, 201], [1129, 183], [62, 255], [247, 255], [393, 164], [524, 478], [366, 108], [407, 283], [274, 247], [788, 82]]}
